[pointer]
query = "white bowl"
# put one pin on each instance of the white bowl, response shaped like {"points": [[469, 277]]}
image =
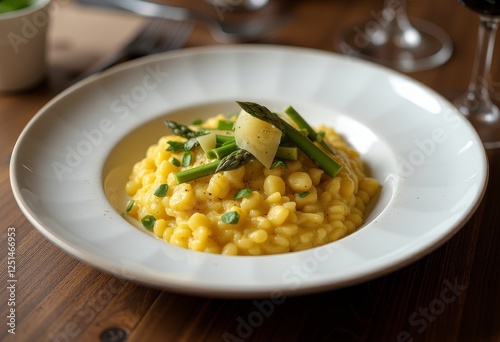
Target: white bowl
{"points": [[70, 164]]}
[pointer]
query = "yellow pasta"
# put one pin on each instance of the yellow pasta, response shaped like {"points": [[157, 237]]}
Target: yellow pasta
{"points": [[284, 209]]}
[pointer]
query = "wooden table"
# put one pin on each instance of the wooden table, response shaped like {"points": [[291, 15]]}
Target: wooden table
{"points": [[59, 298]]}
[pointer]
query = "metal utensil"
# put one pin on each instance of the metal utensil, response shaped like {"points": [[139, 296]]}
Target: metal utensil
{"points": [[223, 30], [157, 35]]}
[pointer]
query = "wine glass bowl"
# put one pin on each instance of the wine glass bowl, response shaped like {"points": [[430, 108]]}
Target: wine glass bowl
{"points": [[486, 7], [391, 39], [477, 104]]}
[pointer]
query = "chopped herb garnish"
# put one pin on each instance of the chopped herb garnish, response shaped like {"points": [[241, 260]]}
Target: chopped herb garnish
{"points": [[175, 162], [242, 193], [187, 158], [130, 205], [303, 194], [148, 221], [175, 146], [198, 122], [278, 163], [161, 191], [231, 217]]}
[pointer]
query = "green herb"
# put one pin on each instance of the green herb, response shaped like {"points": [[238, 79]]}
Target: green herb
{"points": [[231, 217], [175, 162], [148, 221], [186, 158], [242, 193], [197, 122], [278, 163], [161, 191], [130, 205], [175, 146], [324, 161], [303, 194]]}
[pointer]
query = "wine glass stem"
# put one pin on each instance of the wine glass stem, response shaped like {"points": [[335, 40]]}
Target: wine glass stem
{"points": [[479, 85]]}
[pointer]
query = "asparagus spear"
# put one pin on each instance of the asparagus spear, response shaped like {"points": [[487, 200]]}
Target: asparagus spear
{"points": [[182, 130], [221, 139], [196, 172], [234, 160], [221, 152], [286, 153], [283, 152], [330, 166], [302, 124]]}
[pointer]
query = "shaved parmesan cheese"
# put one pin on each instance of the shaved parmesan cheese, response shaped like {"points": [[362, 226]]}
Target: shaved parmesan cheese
{"points": [[207, 141], [257, 137]]}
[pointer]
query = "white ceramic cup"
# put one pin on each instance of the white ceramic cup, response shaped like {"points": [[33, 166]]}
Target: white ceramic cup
{"points": [[22, 46]]}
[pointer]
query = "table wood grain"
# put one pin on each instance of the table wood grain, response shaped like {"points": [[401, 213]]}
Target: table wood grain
{"points": [[452, 294]]}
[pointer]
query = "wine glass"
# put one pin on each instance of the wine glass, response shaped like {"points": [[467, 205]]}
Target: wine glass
{"points": [[476, 103], [392, 40]]}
